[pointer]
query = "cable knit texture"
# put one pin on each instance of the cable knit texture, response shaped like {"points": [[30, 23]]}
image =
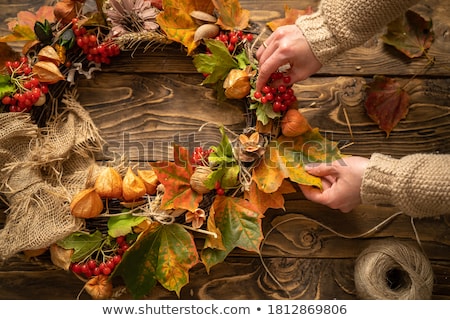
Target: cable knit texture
{"points": [[417, 184], [339, 25]]}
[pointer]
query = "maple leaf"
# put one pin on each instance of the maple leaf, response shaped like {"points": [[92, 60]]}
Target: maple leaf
{"points": [[22, 27], [176, 22], [386, 103], [290, 16], [231, 15], [162, 253], [411, 34], [274, 200], [286, 157], [175, 176], [239, 223]]}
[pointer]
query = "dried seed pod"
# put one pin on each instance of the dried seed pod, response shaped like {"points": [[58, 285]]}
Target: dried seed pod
{"points": [[86, 204], [294, 123], [133, 186], [206, 31], [99, 287], [108, 183], [48, 53], [237, 83], [47, 72], [150, 180], [198, 179], [61, 257], [201, 17], [197, 218]]}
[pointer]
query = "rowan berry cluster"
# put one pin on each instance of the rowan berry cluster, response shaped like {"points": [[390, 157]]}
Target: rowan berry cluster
{"points": [[281, 97], [94, 49], [92, 267], [29, 91], [231, 39]]}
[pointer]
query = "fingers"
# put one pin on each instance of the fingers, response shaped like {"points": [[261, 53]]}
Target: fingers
{"points": [[321, 169]]}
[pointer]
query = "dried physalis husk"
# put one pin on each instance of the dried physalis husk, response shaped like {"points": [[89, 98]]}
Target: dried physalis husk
{"points": [[150, 180], [237, 83], [133, 186], [61, 257], [99, 287], [108, 183], [47, 72], [48, 53], [86, 204], [66, 10], [198, 179], [34, 252]]}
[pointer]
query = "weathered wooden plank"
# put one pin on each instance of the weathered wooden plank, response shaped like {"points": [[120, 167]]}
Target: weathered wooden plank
{"points": [[140, 115]]}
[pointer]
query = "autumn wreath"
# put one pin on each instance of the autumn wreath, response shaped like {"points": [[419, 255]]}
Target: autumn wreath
{"points": [[103, 221]]}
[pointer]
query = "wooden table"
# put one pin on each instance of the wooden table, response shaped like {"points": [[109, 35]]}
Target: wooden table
{"points": [[142, 104]]}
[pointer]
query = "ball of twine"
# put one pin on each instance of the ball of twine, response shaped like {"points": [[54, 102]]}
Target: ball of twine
{"points": [[392, 270]]}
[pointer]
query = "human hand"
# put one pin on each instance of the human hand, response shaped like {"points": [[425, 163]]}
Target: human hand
{"points": [[341, 181], [286, 46]]}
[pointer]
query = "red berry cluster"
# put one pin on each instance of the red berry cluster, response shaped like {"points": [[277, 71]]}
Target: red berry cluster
{"points": [[29, 90], [231, 39], [281, 97], [200, 156], [219, 190], [92, 267], [92, 46]]}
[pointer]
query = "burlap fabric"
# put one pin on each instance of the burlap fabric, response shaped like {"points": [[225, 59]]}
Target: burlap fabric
{"points": [[41, 169]]}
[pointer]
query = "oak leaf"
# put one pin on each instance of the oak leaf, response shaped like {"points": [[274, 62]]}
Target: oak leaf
{"points": [[162, 253], [175, 176], [411, 34], [231, 15], [239, 222], [290, 16], [386, 103]]}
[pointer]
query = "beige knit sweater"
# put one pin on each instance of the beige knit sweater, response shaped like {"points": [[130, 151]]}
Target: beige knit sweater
{"points": [[339, 25], [418, 184]]}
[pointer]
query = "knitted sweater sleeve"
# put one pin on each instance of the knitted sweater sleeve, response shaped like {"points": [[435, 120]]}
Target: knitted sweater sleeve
{"points": [[339, 25], [417, 184]]}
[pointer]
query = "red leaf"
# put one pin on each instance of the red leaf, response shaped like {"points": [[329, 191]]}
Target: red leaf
{"points": [[175, 176], [411, 34], [386, 103]]}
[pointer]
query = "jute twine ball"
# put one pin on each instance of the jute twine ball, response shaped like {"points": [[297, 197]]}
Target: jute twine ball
{"points": [[392, 270]]}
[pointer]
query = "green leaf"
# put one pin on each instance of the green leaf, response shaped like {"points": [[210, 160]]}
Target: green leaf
{"points": [[123, 224], [222, 153], [6, 87], [240, 226], [217, 64], [162, 253], [83, 244]]}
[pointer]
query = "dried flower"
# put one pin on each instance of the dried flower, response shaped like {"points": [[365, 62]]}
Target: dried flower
{"points": [[132, 16], [197, 218], [249, 148]]}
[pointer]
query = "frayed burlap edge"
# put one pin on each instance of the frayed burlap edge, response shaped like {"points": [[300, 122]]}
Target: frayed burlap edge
{"points": [[42, 168]]}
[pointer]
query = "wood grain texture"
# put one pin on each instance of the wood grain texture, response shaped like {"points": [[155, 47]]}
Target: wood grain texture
{"points": [[145, 101]]}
